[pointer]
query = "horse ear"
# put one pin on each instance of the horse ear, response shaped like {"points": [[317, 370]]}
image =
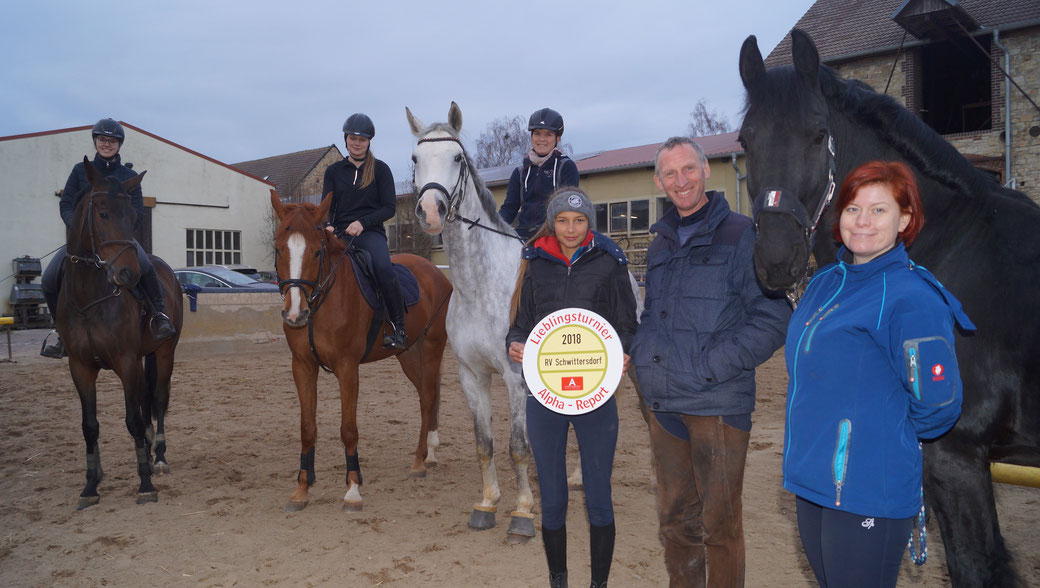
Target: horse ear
{"points": [[414, 123], [276, 204], [806, 58], [455, 117], [132, 184], [751, 64], [93, 177], [323, 209]]}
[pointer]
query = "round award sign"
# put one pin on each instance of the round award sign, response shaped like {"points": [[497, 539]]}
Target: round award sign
{"points": [[573, 361]]}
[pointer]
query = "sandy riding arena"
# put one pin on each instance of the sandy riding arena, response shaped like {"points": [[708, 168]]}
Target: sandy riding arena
{"points": [[233, 434]]}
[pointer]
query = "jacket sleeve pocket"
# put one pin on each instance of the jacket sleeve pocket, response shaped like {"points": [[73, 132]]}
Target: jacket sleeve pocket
{"points": [[933, 381]]}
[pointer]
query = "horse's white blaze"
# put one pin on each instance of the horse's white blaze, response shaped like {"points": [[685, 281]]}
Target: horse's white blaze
{"points": [[353, 494], [297, 245]]}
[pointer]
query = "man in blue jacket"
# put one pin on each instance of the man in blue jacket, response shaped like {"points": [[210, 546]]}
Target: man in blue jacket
{"points": [[706, 326]]}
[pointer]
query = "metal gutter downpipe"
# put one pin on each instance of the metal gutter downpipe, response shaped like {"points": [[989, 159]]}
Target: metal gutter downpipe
{"points": [[736, 169], [1009, 182]]}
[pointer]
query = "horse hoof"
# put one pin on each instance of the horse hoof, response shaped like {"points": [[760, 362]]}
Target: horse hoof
{"points": [[146, 497], [521, 528], [351, 506], [417, 474], [161, 467], [481, 520], [295, 506], [87, 502]]}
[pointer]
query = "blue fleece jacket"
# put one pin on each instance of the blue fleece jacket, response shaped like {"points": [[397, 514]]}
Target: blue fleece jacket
{"points": [[872, 369]]}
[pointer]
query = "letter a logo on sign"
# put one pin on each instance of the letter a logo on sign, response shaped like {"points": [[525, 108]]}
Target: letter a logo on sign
{"points": [[571, 383]]}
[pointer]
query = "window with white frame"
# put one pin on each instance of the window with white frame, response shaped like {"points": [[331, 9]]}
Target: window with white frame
{"points": [[212, 246], [627, 217]]}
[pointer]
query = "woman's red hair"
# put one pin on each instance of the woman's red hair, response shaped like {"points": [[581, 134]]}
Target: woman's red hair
{"points": [[899, 179]]}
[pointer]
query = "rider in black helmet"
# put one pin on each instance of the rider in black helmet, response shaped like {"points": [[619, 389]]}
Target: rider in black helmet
{"points": [[108, 136], [363, 198], [544, 169]]}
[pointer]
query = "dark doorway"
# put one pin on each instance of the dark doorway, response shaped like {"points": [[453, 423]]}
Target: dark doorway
{"points": [[956, 87]]}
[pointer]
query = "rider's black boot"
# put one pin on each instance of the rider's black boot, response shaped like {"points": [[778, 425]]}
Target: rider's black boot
{"points": [[160, 325], [555, 542], [394, 300]]}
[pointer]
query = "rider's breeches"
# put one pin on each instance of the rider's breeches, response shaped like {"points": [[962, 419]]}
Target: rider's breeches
{"points": [[597, 433]]}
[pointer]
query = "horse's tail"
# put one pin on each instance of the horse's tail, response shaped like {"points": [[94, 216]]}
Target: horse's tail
{"points": [[151, 379]]}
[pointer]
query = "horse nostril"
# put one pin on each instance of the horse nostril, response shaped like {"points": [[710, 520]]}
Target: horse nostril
{"points": [[441, 208]]}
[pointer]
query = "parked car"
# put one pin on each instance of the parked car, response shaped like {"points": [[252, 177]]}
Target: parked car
{"points": [[260, 276], [213, 278]]}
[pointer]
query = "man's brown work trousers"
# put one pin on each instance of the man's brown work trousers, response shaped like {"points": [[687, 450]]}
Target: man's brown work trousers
{"points": [[698, 501]]}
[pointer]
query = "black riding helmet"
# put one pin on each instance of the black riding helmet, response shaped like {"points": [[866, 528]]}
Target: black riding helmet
{"points": [[546, 118], [109, 128], [359, 124]]}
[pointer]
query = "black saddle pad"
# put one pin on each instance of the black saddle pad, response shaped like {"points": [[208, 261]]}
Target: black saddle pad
{"points": [[363, 274]]}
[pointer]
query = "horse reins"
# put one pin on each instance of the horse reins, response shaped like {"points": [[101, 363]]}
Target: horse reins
{"points": [[95, 258], [455, 194]]}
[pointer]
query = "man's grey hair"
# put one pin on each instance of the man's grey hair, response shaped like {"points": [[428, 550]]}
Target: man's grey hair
{"points": [[675, 142]]}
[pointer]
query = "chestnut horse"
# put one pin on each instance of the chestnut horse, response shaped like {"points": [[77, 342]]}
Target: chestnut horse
{"points": [[315, 273], [103, 327]]}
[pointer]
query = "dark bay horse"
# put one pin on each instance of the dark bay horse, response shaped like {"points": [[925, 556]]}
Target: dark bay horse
{"points": [[103, 327], [315, 274], [982, 241]]}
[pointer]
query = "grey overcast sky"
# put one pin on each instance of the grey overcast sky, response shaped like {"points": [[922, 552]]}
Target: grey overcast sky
{"points": [[238, 80]]}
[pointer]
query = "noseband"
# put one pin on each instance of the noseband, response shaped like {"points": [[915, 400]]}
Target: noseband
{"points": [[455, 194], [775, 201]]}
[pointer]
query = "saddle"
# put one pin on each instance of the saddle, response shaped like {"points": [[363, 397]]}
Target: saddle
{"points": [[361, 263]]}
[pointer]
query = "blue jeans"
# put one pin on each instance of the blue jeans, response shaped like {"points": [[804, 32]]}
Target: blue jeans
{"points": [[597, 434]]}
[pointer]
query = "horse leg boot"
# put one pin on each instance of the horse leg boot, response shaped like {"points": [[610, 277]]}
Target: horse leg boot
{"points": [[160, 325], [394, 300], [601, 553], [555, 541]]}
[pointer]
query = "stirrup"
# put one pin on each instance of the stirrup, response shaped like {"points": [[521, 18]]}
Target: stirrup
{"points": [[398, 339], [161, 326], [55, 350]]}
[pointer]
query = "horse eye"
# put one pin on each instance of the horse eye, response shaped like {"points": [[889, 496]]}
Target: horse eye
{"points": [[458, 158], [103, 214], [820, 136], [742, 142], [414, 159]]}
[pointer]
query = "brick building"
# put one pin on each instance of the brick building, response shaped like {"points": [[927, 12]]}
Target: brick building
{"points": [[924, 54]]}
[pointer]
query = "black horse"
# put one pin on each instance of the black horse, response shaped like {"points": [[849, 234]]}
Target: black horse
{"points": [[103, 327], [804, 128]]}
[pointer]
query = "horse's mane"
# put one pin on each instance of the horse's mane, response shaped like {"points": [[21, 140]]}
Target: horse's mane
{"points": [[921, 145], [910, 136], [487, 200]]}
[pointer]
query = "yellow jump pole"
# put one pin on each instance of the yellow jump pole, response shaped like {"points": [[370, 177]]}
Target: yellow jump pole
{"points": [[7, 322], [1007, 473]]}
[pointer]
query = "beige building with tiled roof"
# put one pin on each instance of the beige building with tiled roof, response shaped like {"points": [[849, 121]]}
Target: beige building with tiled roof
{"points": [[922, 52], [298, 175]]}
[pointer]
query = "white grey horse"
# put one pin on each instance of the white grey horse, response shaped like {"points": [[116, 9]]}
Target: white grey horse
{"points": [[484, 255]]}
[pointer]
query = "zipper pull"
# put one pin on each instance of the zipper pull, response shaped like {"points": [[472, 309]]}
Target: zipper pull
{"points": [[913, 365], [837, 501]]}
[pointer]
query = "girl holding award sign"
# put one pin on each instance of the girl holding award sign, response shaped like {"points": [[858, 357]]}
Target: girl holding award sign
{"points": [[567, 265]]}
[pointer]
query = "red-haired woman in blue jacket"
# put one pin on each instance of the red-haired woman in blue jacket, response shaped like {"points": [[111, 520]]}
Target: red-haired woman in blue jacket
{"points": [[871, 366]]}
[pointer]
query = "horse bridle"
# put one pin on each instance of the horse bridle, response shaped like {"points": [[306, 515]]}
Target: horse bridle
{"points": [[95, 258], [455, 194], [314, 292]]}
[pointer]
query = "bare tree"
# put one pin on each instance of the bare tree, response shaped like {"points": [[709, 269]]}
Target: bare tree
{"points": [[503, 142], [704, 123]]}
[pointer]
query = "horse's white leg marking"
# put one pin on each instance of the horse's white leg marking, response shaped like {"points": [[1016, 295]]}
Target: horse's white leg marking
{"points": [[353, 494], [433, 441], [297, 245]]}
